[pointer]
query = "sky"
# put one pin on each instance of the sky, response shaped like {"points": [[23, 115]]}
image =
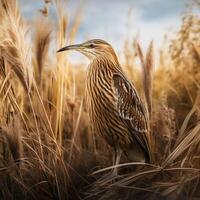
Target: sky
{"points": [[115, 20]]}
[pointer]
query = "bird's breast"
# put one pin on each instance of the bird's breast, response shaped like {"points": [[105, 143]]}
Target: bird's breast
{"points": [[99, 91], [102, 109]]}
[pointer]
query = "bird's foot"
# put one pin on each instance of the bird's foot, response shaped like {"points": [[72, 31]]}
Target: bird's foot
{"points": [[108, 178]]}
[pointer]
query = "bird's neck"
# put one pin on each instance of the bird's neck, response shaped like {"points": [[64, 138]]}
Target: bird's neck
{"points": [[105, 63]]}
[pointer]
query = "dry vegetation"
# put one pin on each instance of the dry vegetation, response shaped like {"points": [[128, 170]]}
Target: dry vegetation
{"points": [[47, 150]]}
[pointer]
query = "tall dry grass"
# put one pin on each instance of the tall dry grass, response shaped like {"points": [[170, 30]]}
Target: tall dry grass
{"points": [[47, 150]]}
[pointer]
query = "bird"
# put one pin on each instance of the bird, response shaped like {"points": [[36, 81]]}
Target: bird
{"points": [[44, 11], [47, 1], [116, 111]]}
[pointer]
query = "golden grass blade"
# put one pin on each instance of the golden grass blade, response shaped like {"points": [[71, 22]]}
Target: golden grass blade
{"points": [[12, 132], [15, 52], [43, 32], [123, 165], [141, 56], [75, 132], [148, 82], [192, 138]]}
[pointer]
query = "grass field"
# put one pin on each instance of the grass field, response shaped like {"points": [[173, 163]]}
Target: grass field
{"points": [[47, 149]]}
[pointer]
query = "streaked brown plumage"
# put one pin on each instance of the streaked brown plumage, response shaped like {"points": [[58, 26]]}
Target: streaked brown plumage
{"points": [[116, 111]]}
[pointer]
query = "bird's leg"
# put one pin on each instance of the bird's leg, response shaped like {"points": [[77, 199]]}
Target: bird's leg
{"points": [[117, 156], [108, 178]]}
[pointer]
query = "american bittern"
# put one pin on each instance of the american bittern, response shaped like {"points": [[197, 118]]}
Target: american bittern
{"points": [[116, 111]]}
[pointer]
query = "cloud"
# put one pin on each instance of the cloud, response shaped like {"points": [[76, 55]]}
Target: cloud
{"points": [[108, 19], [158, 9]]}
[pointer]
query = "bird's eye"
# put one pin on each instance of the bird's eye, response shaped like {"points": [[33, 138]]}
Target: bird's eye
{"points": [[92, 45]]}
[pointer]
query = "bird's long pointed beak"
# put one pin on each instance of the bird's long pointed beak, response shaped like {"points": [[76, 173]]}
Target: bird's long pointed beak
{"points": [[71, 47]]}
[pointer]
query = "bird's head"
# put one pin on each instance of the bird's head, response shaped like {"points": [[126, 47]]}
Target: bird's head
{"points": [[93, 49]]}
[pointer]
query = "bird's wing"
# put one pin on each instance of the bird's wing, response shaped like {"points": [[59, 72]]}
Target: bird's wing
{"points": [[131, 109]]}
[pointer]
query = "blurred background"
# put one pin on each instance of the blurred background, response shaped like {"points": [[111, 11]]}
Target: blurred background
{"points": [[115, 20]]}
